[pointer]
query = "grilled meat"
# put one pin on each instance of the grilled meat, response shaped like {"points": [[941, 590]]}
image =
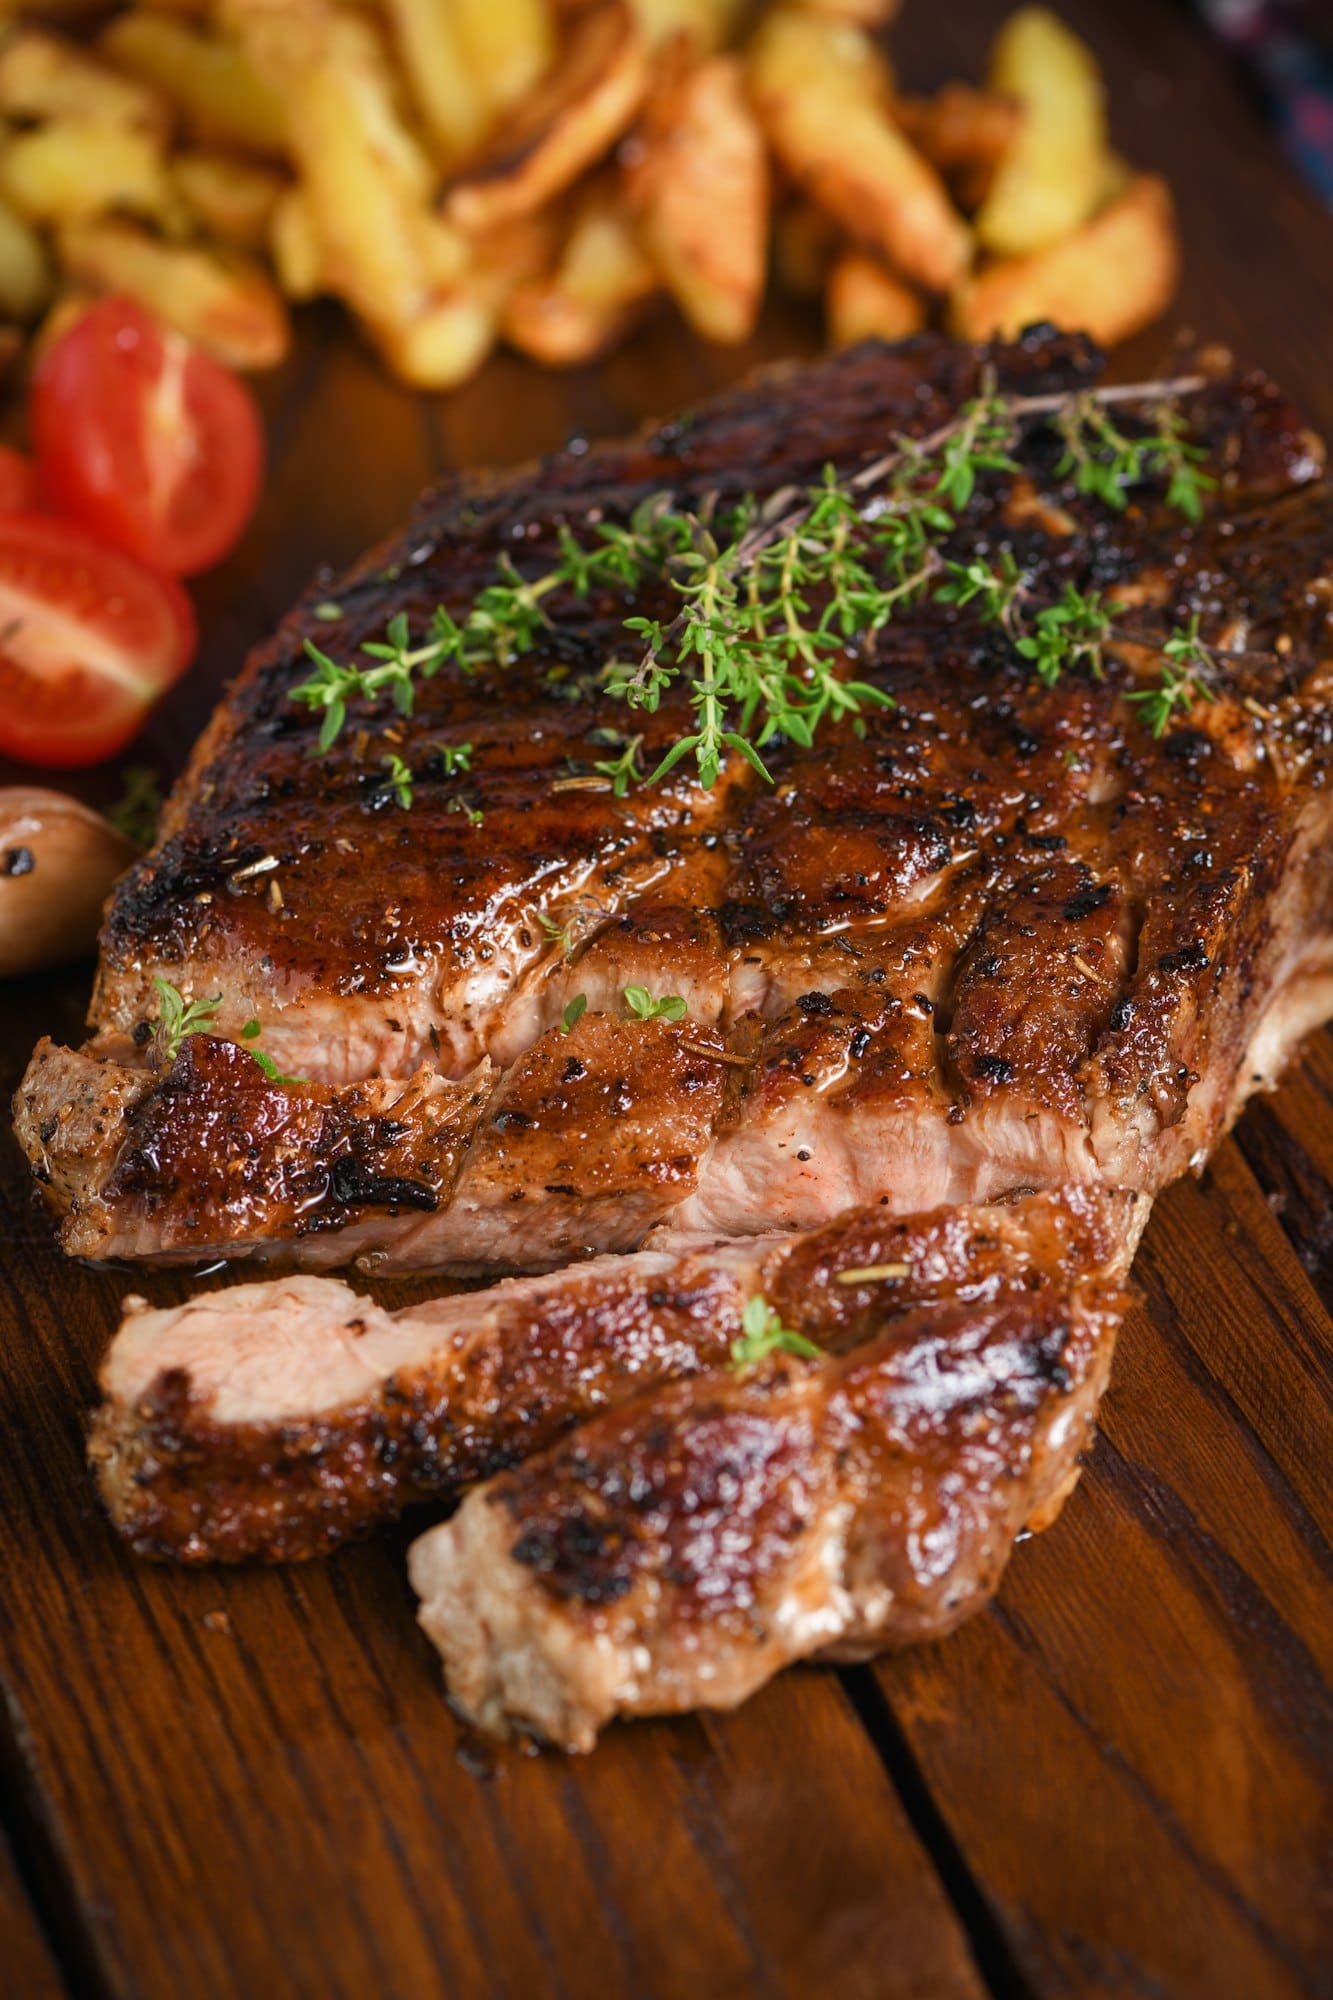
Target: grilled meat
{"points": [[275, 1419], [1001, 939], [676, 1551]]}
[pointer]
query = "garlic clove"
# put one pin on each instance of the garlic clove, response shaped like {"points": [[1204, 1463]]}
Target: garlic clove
{"points": [[58, 860]]}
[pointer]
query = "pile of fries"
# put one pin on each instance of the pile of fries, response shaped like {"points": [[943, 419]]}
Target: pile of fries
{"points": [[462, 172]]}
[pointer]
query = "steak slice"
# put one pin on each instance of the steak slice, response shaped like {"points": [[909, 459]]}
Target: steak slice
{"points": [[273, 1420], [674, 1552], [999, 938]]}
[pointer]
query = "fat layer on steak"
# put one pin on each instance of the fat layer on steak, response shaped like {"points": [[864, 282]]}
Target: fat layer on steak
{"points": [[1002, 938]]}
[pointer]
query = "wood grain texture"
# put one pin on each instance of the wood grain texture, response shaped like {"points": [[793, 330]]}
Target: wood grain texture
{"points": [[1109, 1784]]}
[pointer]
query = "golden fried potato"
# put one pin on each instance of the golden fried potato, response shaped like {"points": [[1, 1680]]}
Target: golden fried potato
{"points": [[867, 301], [860, 13], [819, 90], [43, 77], [508, 46], [700, 186], [587, 302], [26, 278], [444, 344], [220, 94], [573, 117], [445, 94], [365, 181], [701, 25], [223, 302], [1116, 275], [1051, 178], [232, 198], [69, 170]]}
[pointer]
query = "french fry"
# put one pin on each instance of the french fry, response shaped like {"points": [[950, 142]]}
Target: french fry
{"points": [[221, 95], [1114, 276], [573, 117], [232, 198], [68, 171], [603, 275], [363, 178], [1052, 176], [43, 77], [26, 279], [508, 46], [225, 304], [453, 110], [819, 90], [806, 240], [866, 301], [701, 189]]}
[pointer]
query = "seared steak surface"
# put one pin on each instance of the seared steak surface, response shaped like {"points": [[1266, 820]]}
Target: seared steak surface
{"points": [[1000, 938]]}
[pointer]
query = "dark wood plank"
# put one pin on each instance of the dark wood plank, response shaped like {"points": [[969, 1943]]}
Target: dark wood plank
{"points": [[27, 1968], [250, 1783], [1127, 1747]]}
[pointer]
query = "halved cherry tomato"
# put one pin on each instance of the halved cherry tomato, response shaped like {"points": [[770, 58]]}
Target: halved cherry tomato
{"points": [[154, 446], [89, 639], [18, 482]]}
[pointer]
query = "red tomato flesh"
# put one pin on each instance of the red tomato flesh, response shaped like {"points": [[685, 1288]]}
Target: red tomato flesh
{"points": [[18, 483], [89, 640], [152, 445]]}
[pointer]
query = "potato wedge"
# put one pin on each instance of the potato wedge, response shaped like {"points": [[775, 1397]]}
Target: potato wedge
{"points": [[445, 94], [43, 77], [700, 25], [1051, 178], [443, 345], [69, 170], [867, 301], [26, 278], [233, 199], [819, 90], [700, 186], [564, 127], [220, 94], [603, 275], [1116, 275], [508, 46], [224, 303], [364, 179]]}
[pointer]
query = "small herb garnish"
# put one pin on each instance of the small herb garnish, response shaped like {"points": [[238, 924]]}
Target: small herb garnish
{"points": [[575, 1012], [455, 757], [249, 1033], [138, 810], [1187, 665], [775, 594], [762, 1334], [178, 1019], [399, 780], [643, 1007]]}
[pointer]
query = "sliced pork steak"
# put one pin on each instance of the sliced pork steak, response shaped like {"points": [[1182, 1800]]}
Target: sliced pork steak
{"points": [[1001, 938], [273, 1420], [676, 1551]]}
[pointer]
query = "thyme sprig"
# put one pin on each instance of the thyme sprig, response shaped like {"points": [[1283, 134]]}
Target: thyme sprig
{"points": [[178, 1018], [763, 1334], [776, 595]]}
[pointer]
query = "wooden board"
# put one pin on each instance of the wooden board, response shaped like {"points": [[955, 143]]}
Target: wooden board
{"points": [[1110, 1783]]}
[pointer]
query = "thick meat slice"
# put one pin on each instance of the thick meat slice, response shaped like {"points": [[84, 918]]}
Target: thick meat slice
{"points": [[273, 1420], [677, 1551], [1001, 938]]}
